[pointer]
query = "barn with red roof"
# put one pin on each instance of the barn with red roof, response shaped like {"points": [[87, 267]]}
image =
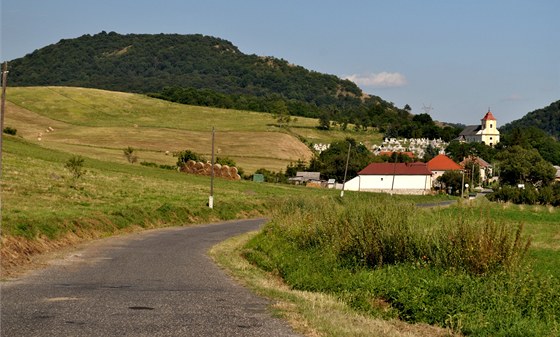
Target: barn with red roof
{"points": [[397, 178]]}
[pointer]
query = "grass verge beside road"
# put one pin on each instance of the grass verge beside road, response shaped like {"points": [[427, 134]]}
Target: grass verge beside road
{"points": [[311, 313], [455, 268]]}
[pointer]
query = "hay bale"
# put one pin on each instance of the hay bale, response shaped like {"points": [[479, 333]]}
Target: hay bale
{"points": [[237, 177], [233, 171], [225, 171]]}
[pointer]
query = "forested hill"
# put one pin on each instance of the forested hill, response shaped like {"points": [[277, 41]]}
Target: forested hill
{"points": [[546, 119], [149, 63]]}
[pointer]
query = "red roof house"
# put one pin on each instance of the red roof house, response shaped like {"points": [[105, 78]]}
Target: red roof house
{"points": [[398, 178], [441, 164]]}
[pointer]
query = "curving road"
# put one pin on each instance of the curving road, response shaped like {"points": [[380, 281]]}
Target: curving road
{"points": [[156, 283]]}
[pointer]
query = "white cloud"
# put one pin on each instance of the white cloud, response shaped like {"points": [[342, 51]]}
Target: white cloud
{"points": [[380, 80]]}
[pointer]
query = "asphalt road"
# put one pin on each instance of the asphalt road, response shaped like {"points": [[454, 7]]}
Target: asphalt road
{"points": [[156, 283]]}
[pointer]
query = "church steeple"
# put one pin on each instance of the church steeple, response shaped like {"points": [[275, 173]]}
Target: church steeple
{"points": [[488, 121], [489, 133]]}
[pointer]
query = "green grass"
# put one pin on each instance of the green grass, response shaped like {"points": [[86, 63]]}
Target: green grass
{"points": [[455, 267], [38, 197]]}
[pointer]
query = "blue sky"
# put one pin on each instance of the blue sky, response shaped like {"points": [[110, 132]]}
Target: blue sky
{"points": [[459, 57]]}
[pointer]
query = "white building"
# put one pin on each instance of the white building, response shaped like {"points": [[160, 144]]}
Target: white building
{"points": [[397, 178], [487, 132]]}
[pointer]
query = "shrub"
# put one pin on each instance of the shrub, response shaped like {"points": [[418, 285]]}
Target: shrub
{"points": [[75, 165], [185, 156], [130, 156], [10, 131], [148, 164]]}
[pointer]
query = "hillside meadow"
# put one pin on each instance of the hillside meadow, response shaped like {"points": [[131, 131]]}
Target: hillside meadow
{"points": [[100, 124]]}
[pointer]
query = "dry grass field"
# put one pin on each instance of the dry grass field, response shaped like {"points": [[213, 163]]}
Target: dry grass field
{"points": [[100, 124]]}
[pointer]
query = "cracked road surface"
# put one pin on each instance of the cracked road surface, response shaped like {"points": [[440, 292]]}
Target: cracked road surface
{"points": [[154, 283]]}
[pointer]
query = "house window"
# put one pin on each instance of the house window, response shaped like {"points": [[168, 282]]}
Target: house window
{"points": [[490, 138], [381, 179], [490, 126]]}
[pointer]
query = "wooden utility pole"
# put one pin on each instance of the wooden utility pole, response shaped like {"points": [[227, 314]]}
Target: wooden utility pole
{"points": [[3, 110], [211, 198], [345, 170]]}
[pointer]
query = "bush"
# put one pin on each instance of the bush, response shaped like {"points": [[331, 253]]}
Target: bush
{"points": [[185, 156], [130, 156], [547, 195], [75, 165], [10, 131]]}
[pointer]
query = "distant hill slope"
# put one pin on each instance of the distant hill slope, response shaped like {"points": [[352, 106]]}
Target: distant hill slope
{"points": [[100, 124], [145, 63], [546, 119]]}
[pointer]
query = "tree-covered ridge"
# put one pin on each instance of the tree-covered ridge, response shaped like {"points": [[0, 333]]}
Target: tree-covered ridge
{"points": [[546, 119], [148, 63]]}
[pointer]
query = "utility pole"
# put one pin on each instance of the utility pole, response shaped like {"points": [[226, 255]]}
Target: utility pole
{"points": [[346, 169], [463, 183], [211, 198], [2, 110]]}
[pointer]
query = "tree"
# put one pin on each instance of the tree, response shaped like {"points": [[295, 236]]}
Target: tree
{"points": [[453, 179], [423, 118], [324, 121], [332, 162], [518, 165]]}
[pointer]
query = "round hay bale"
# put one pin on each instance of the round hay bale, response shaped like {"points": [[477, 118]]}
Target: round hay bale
{"points": [[237, 177], [190, 163], [217, 167], [225, 171], [199, 166], [233, 171]]}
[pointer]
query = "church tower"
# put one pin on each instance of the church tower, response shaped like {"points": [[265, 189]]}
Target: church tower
{"points": [[489, 132]]}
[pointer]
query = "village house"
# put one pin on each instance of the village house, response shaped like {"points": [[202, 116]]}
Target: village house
{"points": [[397, 178], [484, 167], [487, 132], [305, 177], [441, 164]]}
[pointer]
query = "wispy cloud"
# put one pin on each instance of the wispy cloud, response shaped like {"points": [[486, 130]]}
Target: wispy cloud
{"points": [[380, 80]]}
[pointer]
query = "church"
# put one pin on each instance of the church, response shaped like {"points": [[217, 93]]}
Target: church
{"points": [[487, 132]]}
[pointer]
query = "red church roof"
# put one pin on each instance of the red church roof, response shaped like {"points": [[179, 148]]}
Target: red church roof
{"points": [[396, 168], [442, 162], [488, 116]]}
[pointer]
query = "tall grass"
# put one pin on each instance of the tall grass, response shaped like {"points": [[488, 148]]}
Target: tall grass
{"points": [[460, 270], [376, 232]]}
